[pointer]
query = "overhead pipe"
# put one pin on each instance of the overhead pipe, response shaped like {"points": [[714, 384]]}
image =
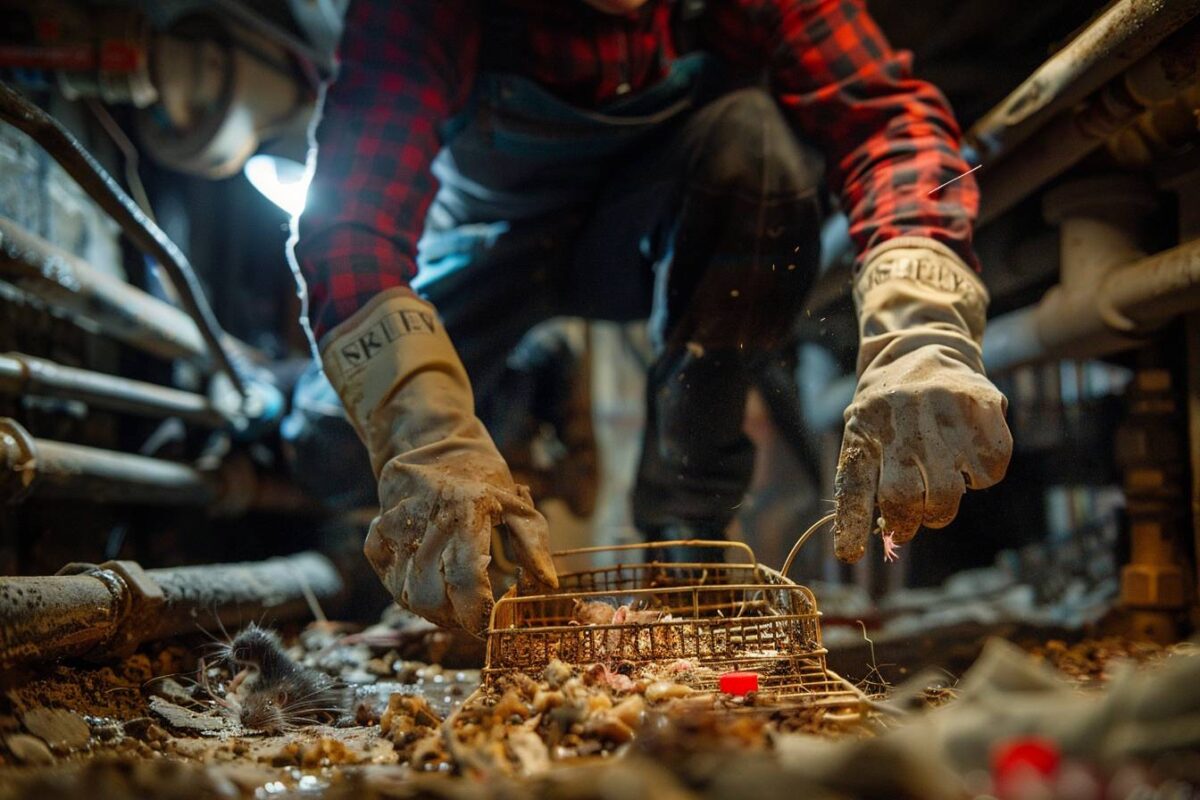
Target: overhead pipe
{"points": [[26, 375], [1165, 74], [1125, 32], [1110, 295], [321, 61], [141, 230], [107, 610], [1130, 304], [49, 469], [38, 468], [1160, 132], [1065, 138], [126, 313]]}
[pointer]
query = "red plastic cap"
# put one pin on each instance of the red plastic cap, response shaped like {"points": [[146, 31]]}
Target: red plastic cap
{"points": [[739, 682], [1025, 755]]}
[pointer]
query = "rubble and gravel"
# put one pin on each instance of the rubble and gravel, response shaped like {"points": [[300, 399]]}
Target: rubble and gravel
{"points": [[1087, 662], [155, 727]]}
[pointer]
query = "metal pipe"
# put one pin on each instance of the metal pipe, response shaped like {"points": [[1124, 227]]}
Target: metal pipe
{"points": [[1129, 304], [1122, 34], [125, 312], [33, 467], [21, 374], [107, 610], [1012, 340], [148, 237], [1065, 140], [60, 616], [49, 469], [322, 62]]}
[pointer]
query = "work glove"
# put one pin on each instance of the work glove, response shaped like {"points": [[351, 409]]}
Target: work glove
{"points": [[925, 422], [443, 487]]}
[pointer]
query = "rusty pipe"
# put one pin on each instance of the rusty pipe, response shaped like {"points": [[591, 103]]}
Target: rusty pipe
{"points": [[1126, 305], [1055, 143], [126, 313], [46, 469], [21, 374], [1111, 43], [147, 236], [49, 469], [1168, 72], [107, 610]]}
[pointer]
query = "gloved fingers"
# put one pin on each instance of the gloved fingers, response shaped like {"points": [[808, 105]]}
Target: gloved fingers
{"points": [[944, 488], [464, 567], [392, 544], [382, 554], [406, 545], [901, 494], [987, 452], [530, 538], [424, 590], [465, 527], [854, 495]]}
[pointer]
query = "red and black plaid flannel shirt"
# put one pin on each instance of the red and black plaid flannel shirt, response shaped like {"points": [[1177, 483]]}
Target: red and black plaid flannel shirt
{"points": [[408, 66]]}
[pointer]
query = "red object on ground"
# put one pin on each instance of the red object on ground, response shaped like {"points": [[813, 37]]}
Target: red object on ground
{"points": [[739, 682], [1022, 757]]}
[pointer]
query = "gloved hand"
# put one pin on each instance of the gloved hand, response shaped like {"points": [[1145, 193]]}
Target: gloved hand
{"points": [[442, 484], [924, 414]]}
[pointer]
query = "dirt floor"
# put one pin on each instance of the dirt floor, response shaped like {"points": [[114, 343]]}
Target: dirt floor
{"points": [[166, 722]]}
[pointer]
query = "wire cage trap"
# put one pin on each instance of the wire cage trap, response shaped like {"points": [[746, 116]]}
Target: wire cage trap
{"points": [[695, 621]]}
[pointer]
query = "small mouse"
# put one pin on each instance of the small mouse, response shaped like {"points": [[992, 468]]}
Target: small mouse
{"points": [[278, 694]]}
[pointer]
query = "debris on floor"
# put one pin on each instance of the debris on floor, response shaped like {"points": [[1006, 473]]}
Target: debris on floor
{"points": [[163, 722]]}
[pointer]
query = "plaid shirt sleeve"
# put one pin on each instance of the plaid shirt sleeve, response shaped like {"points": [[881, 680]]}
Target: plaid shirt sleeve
{"points": [[405, 68], [891, 140]]}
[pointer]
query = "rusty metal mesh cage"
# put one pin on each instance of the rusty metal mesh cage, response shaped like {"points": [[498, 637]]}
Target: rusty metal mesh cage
{"points": [[729, 615]]}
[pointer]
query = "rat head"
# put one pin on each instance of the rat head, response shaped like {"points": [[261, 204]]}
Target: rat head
{"points": [[266, 711], [302, 698]]}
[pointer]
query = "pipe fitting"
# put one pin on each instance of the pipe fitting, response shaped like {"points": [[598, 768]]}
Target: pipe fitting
{"points": [[18, 462], [136, 594], [103, 611], [1124, 32], [1071, 135], [22, 375], [57, 469]]}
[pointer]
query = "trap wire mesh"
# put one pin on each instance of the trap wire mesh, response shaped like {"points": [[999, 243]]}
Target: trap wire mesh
{"points": [[733, 614]]}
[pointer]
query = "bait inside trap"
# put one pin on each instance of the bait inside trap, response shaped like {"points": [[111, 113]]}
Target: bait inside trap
{"points": [[691, 622]]}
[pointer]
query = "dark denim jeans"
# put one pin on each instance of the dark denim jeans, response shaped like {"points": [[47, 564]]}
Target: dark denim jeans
{"points": [[693, 205]]}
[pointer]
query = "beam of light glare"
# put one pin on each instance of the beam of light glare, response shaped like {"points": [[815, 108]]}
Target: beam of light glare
{"points": [[955, 178], [281, 180]]}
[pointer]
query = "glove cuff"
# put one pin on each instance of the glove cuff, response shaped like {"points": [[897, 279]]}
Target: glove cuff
{"points": [[915, 270], [372, 356], [915, 291]]}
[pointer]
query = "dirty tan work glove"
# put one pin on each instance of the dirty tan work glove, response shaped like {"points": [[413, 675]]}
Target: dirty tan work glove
{"points": [[442, 484], [924, 415]]}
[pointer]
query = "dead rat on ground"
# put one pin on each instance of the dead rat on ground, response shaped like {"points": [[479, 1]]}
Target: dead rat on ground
{"points": [[276, 693]]}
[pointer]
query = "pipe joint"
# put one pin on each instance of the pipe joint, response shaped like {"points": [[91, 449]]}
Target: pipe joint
{"points": [[18, 462], [144, 599]]}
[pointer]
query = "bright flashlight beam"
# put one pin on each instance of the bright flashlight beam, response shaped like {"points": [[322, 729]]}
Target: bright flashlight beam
{"points": [[281, 180]]}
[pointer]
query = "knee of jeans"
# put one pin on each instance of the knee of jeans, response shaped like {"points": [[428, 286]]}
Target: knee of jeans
{"points": [[748, 147]]}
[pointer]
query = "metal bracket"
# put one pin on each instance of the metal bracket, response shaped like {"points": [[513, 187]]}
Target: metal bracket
{"points": [[140, 598], [18, 461], [145, 599]]}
